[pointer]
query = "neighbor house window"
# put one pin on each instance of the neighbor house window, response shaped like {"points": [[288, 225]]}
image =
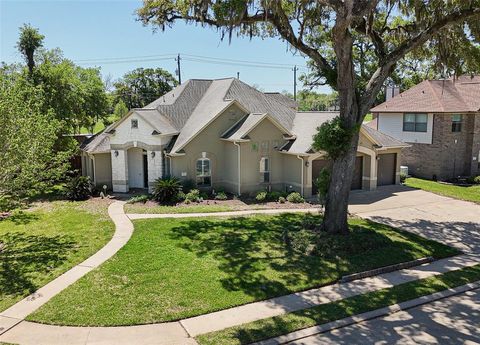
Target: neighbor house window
{"points": [[134, 123], [204, 172], [456, 123], [264, 170], [415, 122]]}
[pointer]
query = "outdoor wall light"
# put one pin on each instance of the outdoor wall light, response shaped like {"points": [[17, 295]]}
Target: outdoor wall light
{"points": [[153, 154], [307, 164], [116, 153]]}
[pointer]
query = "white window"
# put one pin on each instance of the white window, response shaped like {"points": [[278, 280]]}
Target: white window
{"points": [[264, 170], [134, 123], [415, 122], [204, 172]]}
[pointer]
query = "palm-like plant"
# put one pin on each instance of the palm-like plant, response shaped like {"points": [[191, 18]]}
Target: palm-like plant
{"points": [[165, 190]]}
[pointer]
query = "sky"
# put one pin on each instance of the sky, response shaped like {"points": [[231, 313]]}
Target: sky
{"points": [[106, 34]]}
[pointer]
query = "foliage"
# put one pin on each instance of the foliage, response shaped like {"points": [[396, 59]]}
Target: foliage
{"points": [[193, 196], [30, 162], [313, 101], [333, 138], [295, 198], [221, 196], [78, 188], [209, 264], [261, 196], [188, 185], [143, 198], [273, 196], [165, 190], [302, 241], [29, 41], [322, 182], [178, 208], [403, 177], [282, 200], [142, 86]]}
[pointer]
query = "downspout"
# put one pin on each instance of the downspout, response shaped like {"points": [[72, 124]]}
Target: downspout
{"points": [[169, 163], [301, 188], [238, 164]]}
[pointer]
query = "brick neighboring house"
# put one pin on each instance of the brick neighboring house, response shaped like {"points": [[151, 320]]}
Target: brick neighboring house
{"points": [[440, 119]]}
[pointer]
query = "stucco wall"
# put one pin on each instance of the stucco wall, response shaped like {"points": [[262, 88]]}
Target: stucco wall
{"points": [[263, 138], [103, 170], [208, 143], [392, 124]]}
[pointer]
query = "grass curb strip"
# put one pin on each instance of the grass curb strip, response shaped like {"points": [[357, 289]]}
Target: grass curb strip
{"points": [[329, 312]]}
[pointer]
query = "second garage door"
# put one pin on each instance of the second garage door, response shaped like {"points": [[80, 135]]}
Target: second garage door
{"points": [[387, 163]]}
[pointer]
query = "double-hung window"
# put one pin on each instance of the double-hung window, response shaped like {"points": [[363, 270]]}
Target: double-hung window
{"points": [[415, 122], [264, 170], [456, 123], [204, 172]]}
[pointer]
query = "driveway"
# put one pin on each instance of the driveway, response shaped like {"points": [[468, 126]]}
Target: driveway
{"points": [[452, 320], [450, 221]]}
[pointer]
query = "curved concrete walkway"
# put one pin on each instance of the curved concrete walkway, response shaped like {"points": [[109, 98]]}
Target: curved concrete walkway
{"points": [[123, 231], [17, 331]]}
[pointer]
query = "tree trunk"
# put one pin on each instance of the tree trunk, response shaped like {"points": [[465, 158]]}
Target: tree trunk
{"points": [[336, 207]]}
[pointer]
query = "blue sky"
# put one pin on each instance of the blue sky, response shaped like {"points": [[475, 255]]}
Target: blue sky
{"points": [[99, 30]]}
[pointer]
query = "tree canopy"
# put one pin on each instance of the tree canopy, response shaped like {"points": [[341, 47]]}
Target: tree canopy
{"points": [[142, 86], [354, 47], [29, 41]]}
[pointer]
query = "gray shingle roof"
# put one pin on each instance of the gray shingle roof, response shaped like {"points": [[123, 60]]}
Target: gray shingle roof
{"points": [[383, 139], [460, 95], [98, 143]]}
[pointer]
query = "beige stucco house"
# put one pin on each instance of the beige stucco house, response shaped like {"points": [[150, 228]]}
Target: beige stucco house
{"points": [[440, 119], [225, 134]]}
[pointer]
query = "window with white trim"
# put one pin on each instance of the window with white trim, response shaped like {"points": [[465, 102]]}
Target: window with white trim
{"points": [[415, 122], [457, 123], [264, 170], [204, 172]]}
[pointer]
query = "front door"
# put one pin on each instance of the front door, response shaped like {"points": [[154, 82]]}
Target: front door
{"points": [[145, 171]]}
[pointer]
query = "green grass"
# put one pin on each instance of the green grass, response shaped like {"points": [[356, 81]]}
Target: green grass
{"points": [[284, 324], [99, 126], [471, 193], [42, 243], [141, 208], [177, 268], [368, 118]]}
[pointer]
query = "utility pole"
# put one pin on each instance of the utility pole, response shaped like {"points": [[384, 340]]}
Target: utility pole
{"points": [[179, 73], [295, 69], [238, 75]]}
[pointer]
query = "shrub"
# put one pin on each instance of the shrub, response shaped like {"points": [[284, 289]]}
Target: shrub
{"points": [[181, 196], [282, 200], [78, 188], [165, 190], [322, 182], [193, 195], [403, 177], [143, 198], [261, 196], [188, 185], [474, 180], [302, 241], [273, 196], [295, 198], [221, 196]]}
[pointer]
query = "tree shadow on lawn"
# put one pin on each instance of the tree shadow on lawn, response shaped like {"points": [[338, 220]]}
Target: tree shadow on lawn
{"points": [[24, 258], [255, 258], [22, 218]]}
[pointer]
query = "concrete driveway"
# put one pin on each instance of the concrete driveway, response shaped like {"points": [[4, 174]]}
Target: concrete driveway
{"points": [[450, 221], [452, 320]]}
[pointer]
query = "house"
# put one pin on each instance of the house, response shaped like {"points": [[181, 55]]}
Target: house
{"points": [[441, 121], [225, 134]]}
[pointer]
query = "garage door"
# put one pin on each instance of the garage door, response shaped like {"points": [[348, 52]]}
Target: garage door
{"points": [[319, 164], [386, 168]]}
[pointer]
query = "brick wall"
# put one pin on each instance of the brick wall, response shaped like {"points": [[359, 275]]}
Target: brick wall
{"points": [[444, 158]]}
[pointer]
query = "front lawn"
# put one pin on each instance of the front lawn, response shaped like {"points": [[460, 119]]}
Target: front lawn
{"points": [[155, 208], [471, 193], [39, 244], [177, 268]]}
